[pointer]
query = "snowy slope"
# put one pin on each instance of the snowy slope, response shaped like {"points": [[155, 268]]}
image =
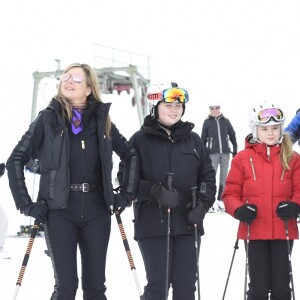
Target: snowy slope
{"points": [[215, 257]]}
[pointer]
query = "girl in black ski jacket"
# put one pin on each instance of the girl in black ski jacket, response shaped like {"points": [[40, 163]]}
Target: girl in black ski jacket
{"points": [[168, 145]]}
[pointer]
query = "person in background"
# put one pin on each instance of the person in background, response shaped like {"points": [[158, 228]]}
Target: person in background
{"points": [[3, 224], [217, 131], [293, 128], [73, 139], [262, 191], [166, 144]]}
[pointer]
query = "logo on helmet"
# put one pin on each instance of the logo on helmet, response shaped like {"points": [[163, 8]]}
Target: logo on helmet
{"points": [[154, 96]]}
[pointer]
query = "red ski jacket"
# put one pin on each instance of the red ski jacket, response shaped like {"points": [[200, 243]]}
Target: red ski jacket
{"points": [[256, 176]]}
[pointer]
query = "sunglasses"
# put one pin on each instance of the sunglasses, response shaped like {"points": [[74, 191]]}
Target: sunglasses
{"points": [[265, 115], [214, 107], [77, 78], [175, 94]]}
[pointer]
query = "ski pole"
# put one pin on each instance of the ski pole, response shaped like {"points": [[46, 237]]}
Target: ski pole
{"points": [[246, 263], [170, 182], [26, 257], [290, 256], [129, 256], [194, 195], [231, 264]]}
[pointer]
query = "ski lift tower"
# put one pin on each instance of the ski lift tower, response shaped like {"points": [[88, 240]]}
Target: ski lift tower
{"points": [[123, 70], [119, 70]]}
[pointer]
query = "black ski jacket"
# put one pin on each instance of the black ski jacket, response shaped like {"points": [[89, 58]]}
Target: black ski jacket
{"points": [[181, 153], [216, 133], [48, 139]]}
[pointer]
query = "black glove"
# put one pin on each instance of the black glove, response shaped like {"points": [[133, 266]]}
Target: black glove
{"points": [[287, 210], [196, 215], [246, 213], [233, 153], [37, 210], [165, 196], [2, 169], [121, 201]]}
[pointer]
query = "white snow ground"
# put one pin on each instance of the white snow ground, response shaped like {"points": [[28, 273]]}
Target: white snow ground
{"points": [[215, 256]]}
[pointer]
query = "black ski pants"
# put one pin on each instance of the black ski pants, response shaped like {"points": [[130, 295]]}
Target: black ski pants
{"points": [[182, 267], [85, 223], [269, 270]]}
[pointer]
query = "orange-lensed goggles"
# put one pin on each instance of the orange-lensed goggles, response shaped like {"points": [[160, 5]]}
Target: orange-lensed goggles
{"points": [[175, 94], [264, 116], [77, 78]]}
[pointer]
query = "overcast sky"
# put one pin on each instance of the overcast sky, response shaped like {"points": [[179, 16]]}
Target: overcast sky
{"points": [[232, 51]]}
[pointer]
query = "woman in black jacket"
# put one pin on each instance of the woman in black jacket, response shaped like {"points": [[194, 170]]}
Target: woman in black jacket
{"points": [[168, 145], [217, 131], [73, 139]]}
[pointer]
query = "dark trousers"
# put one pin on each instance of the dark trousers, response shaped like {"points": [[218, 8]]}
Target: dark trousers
{"points": [[182, 267], [269, 270], [83, 223]]}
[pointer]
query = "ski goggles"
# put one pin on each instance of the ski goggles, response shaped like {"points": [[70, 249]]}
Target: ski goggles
{"points": [[175, 94], [264, 116], [77, 78]]}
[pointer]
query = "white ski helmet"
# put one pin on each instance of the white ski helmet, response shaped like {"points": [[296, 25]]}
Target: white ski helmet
{"points": [[161, 92], [265, 113], [214, 104]]}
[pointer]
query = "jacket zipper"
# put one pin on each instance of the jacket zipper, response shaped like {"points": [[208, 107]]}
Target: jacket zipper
{"points": [[219, 135], [268, 152], [252, 167]]}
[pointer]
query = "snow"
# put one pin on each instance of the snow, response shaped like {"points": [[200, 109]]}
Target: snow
{"points": [[216, 251]]}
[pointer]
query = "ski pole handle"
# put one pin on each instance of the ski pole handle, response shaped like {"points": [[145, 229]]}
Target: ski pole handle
{"points": [[194, 196]]}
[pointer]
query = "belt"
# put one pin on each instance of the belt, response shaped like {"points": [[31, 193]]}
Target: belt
{"points": [[83, 187]]}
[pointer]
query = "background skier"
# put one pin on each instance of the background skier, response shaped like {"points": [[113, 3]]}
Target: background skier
{"points": [[217, 131]]}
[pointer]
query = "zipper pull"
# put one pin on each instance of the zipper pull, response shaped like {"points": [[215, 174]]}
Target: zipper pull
{"points": [[268, 152], [82, 144]]}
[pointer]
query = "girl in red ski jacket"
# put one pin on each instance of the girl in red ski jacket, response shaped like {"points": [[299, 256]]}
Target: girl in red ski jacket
{"points": [[263, 192]]}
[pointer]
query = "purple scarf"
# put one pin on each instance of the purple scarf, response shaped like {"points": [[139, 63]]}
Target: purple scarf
{"points": [[76, 121]]}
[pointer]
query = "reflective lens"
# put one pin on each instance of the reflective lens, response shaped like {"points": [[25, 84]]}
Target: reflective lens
{"points": [[265, 115], [77, 78], [175, 94]]}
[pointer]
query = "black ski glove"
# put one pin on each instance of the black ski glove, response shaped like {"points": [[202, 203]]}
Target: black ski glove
{"points": [[121, 201], [37, 210], [287, 210], [197, 214], [246, 213], [2, 169], [165, 196]]}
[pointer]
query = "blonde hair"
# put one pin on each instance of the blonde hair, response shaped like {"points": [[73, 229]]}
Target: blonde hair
{"points": [[286, 151], [92, 82]]}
